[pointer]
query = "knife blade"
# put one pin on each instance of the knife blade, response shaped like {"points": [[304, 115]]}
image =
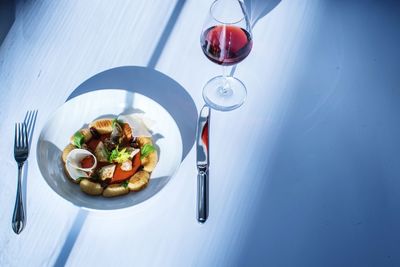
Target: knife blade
{"points": [[203, 161]]}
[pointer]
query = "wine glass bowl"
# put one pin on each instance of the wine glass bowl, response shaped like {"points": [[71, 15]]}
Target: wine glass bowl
{"points": [[226, 40]]}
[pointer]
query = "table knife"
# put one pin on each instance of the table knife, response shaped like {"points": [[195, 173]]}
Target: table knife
{"points": [[202, 147]]}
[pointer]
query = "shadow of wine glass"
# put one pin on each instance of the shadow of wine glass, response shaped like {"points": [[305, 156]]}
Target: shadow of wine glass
{"points": [[155, 85], [258, 9]]}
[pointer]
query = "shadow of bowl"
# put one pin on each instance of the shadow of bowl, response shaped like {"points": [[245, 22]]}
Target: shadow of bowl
{"points": [[155, 85]]}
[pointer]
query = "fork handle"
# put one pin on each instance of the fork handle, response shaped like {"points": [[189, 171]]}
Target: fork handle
{"points": [[18, 219]]}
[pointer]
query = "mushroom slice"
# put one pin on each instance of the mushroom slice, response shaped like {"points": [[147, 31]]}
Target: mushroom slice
{"points": [[107, 172], [101, 152], [117, 133]]}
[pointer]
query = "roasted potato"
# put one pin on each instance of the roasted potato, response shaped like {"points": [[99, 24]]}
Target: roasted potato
{"points": [[87, 135], [138, 181], [115, 190], [127, 130], [103, 126], [144, 140], [150, 161], [66, 151], [91, 188]]}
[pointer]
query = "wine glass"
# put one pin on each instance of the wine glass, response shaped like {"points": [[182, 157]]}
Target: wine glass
{"points": [[226, 40]]}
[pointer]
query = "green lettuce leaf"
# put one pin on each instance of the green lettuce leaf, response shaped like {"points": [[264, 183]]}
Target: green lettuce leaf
{"points": [[118, 156], [78, 139], [146, 150]]}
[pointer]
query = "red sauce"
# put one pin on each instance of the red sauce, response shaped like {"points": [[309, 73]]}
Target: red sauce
{"points": [[87, 162], [92, 144], [120, 175]]}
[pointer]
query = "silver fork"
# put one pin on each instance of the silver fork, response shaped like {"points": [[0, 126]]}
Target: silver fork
{"points": [[21, 151]]}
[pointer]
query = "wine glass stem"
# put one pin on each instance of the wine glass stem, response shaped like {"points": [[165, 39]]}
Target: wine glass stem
{"points": [[225, 89]]}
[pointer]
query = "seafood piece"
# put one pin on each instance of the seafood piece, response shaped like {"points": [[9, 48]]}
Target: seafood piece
{"points": [[138, 181], [126, 165], [132, 151], [103, 126], [115, 190], [139, 128], [101, 152], [95, 133], [73, 163], [117, 133], [109, 144], [107, 172], [69, 176], [91, 188]]}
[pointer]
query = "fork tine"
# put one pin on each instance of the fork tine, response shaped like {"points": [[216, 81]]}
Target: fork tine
{"points": [[25, 136], [16, 135], [19, 135]]}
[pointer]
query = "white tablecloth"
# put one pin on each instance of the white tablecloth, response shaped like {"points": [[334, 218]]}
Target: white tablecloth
{"points": [[306, 173]]}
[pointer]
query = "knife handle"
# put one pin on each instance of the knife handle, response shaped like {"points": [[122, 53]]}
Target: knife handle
{"points": [[202, 196]]}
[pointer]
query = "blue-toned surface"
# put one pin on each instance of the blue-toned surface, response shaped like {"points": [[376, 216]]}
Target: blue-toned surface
{"points": [[332, 186], [7, 17], [306, 173]]}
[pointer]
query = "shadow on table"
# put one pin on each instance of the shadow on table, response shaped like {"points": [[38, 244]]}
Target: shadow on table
{"points": [[257, 9], [155, 85], [7, 17]]}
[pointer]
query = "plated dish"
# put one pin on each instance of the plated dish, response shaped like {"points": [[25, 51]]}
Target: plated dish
{"points": [[111, 156], [79, 113]]}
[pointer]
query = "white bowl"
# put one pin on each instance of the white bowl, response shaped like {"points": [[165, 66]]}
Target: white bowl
{"points": [[80, 111]]}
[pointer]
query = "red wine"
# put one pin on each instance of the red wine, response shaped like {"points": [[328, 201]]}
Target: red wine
{"points": [[226, 45]]}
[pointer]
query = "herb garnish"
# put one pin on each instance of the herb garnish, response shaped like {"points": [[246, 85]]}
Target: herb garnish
{"points": [[146, 150], [114, 121], [119, 156], [125, 183], [78, 139]]}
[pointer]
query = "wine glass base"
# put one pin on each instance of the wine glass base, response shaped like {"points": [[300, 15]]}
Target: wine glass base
{"points": [[224, 93]]}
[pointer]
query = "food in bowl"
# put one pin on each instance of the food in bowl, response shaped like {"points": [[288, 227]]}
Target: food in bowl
{"points": [[111, 157]]}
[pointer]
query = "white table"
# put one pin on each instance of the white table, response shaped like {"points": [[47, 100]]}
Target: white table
{"points": [[306, 173]]}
